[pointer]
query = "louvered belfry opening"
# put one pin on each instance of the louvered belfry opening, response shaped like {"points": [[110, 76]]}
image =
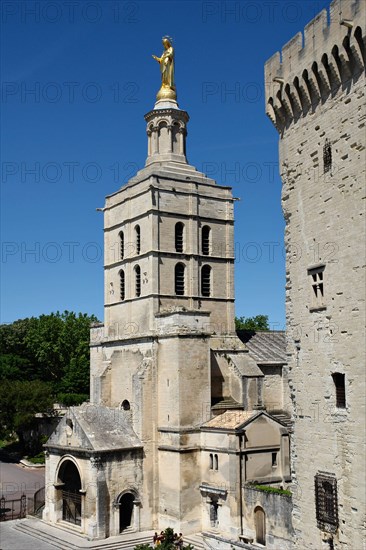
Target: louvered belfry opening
{"points": [[206, 280], [137, 281], [206, 232], [122, 245], [122, 284], [179, 228], [179, 279], [138, 239]]}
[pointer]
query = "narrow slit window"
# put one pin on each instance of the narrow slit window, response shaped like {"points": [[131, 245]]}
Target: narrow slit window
{"points": [[274, 459], [122, 245], [137, 281], [327, 156], [179, 279], [122, 284], [211, 461], [206, 280], [206, 240], [340, 389], [138, 239], [179, 244]]}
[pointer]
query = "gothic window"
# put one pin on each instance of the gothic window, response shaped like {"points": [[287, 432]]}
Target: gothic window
{"points": [[260, 525], [327, 156], [137, 280], [216, 462], [206, 238], [206, 280], [122, 284], [340, 389], [179, 279], [316, 275], [179, 228], [211, 461], [122, 245], [326, 502], [138, 239]]}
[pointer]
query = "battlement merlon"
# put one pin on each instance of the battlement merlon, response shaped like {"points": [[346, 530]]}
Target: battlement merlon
{"points": [[313, 65]]}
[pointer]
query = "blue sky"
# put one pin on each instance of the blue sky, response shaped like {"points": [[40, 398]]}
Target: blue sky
{"points": [[77, 79]]}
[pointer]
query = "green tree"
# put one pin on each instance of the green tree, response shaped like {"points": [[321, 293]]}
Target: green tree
{"points": [[259, 322], [19, 401], [39, 359]]}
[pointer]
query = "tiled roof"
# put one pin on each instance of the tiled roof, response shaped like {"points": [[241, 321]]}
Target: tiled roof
{"points": [[230, 420], [265, 346]]}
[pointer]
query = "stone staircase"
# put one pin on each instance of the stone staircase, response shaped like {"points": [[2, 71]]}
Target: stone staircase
{"points": [[67, 538], [196, 541]]}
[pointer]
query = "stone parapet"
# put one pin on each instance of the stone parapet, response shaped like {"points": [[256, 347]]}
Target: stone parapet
{"points": [[311, 67]]}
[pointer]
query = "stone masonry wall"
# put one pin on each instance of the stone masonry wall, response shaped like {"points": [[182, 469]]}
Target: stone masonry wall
{"points": [[316, 99]]}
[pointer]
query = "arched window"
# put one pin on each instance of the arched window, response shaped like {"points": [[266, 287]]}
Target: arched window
{"points": [[211, 461], [206, 280], [260, 525], [137, 280], [179, 279], [206, 240], [179, 228], [122, 245], [126, 405], [122, 284], [216, 462], [138, 239]]}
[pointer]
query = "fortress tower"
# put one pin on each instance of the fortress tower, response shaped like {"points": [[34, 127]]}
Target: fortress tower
{"points": [[315, 97]]}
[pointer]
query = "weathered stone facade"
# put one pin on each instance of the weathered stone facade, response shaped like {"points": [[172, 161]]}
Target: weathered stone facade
{"points": [[189, 394], [316, 99]]}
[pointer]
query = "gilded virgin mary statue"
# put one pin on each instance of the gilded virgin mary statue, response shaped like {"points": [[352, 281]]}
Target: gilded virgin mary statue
{"points": [[166, 62]]}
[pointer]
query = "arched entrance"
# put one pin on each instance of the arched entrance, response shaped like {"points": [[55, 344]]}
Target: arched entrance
{"points": [[71, 497], [126, 506], [260, 525]]}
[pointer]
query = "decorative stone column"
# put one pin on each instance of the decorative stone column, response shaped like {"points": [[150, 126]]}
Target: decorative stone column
{"points": [[166, 133]]}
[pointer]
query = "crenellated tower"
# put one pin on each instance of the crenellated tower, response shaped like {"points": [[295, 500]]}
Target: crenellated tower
{"points": [[315, 97]]}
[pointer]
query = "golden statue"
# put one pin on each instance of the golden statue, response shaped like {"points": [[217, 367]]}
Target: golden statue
{"points": [[166, 62]]}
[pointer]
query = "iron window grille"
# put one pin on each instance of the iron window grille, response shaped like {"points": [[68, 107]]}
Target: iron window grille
{"points": [[326, 502]]}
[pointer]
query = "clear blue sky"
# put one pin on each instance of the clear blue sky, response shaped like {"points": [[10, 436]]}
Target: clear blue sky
{"points": [[78, 78]]}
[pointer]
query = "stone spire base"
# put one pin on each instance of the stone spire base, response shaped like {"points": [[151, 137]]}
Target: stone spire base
{"points": [[166, 131]]}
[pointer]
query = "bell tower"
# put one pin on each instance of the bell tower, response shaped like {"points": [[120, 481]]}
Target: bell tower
{"points": [[169, 273], [168, 237]]}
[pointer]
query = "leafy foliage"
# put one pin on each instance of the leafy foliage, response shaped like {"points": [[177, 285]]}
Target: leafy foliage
{"points": [[259, 322], [166, 544], [275, 490], [19, 401], [42, 357]]}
